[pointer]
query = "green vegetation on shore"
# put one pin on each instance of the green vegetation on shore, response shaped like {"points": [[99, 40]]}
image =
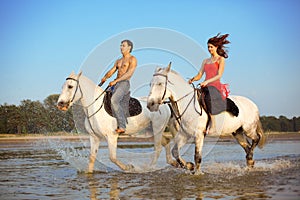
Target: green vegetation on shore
{"points": [[45, 118], [5, 135]]}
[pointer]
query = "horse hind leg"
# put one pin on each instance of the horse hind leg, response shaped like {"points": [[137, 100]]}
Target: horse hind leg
{"points": [[247, 146], [249, 156], [258, 139], [242, 140]]}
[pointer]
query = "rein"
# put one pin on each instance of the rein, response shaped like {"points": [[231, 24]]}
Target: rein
{"points": [[173, 103], [78, 86], [86, 107]]}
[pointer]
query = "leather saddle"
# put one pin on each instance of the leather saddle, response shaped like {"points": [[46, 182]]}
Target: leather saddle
{"points": [[210, 99], [132, 109]]}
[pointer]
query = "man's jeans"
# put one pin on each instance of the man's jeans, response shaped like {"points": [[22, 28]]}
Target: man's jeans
{"points": [[120, 102]]}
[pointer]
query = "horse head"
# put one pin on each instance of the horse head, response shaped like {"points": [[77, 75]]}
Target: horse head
{"points": [[158, 90], [70, 92]]}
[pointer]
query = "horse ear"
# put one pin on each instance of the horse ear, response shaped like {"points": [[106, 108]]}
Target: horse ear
{"points": [[72, 74], [157, 69], [80, 73], [169, 67]]}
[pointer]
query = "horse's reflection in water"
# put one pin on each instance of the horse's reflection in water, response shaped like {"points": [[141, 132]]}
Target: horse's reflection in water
{"points": [[95, 187]]}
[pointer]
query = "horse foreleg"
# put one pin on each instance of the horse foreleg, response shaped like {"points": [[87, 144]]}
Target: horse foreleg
{"points": [[180, 140], [157, 147], [95, 141], [112, 146], [166, 144], [198, 153]]}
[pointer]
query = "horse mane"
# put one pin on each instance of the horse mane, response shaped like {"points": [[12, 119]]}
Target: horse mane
{"points": [[172, 71], [180, 78], [84, 78]]}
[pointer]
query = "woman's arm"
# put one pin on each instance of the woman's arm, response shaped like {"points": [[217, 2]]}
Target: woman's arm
{"points": [[199, 75]]}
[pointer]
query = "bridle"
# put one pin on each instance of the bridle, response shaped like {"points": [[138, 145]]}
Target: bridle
{"points": [[86, 107], [166, 76], [81, 94], [77, 86], [174, 103]]}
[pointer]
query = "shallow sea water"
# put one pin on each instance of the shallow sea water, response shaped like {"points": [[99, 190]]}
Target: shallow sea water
{"points": [[54, 169]]}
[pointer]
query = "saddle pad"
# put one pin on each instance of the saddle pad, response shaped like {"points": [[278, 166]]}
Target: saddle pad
{"points": [[210, 99], [134, 109]]}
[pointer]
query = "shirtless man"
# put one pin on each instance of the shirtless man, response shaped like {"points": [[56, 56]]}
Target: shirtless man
{"points": [[125, 67]]}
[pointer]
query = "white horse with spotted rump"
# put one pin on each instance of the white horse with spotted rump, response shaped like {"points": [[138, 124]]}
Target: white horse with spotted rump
{"points": [[100, 124], [167, 84]]}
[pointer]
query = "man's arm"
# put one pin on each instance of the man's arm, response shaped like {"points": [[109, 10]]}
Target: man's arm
{"points": [[109, 73]]}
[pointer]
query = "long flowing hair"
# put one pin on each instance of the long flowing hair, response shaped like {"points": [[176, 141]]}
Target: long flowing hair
{"points": [[219, 41]]}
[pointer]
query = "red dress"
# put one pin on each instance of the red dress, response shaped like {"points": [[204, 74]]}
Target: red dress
{"points": [[211, 70]]}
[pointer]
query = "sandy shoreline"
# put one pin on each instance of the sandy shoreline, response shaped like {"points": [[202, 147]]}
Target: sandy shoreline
{"points": [[4, 138]]}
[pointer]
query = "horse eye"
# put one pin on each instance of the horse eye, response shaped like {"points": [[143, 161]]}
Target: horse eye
{"points": [[70, 86], [160, 84]]}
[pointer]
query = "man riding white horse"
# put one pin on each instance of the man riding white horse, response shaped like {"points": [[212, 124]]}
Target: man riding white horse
{"points": [[121, 85]]}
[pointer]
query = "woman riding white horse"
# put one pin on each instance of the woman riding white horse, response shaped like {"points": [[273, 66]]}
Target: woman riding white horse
{"points": [[167, 84], [100, 124]]}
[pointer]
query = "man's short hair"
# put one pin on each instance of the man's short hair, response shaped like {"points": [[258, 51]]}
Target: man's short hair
{"points": [[129, 43]]}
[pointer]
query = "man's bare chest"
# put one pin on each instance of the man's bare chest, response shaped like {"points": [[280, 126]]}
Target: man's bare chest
{"points": [[123, 65]]}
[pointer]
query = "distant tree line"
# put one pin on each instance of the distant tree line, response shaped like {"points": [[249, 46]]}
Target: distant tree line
{"points": [[36, 117], [281, 124]]}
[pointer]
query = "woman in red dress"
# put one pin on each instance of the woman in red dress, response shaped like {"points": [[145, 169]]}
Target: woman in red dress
{"points": [[214, 91]]}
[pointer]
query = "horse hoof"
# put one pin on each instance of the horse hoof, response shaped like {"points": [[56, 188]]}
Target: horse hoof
{"points": [[198, 173], [174, 164], [88, 172], [250, 163], [190, 166], [129, 168]]}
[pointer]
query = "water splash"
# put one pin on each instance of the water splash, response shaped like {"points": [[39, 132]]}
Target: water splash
{"points": [[239, 168], [76, 154], [273, 165]]}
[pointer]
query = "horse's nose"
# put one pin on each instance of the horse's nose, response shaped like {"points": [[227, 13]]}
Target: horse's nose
{"points": [[60, 104], [150, 104]]}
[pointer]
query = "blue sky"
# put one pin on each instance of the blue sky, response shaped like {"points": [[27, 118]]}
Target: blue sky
{"points": [[43, 41]]}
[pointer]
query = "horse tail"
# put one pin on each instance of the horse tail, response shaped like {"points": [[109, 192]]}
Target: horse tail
{"points": [[262, 135]]}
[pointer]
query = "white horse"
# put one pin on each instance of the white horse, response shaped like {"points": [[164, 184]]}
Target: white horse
{"points": [[167, 84], [100, 124]]}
